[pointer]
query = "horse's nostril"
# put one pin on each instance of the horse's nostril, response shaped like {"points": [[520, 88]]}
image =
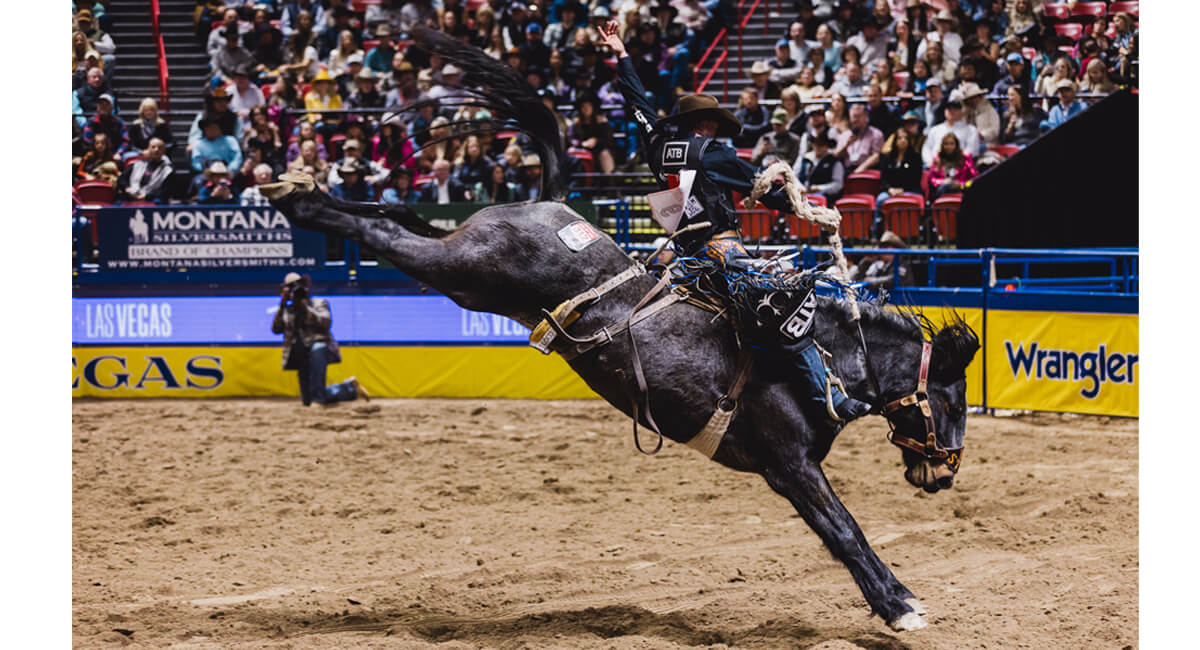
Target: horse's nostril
{"points": [[945, 482]]}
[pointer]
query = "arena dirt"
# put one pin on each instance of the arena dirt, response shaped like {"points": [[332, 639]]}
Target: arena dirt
{"points": [[526, 524]]}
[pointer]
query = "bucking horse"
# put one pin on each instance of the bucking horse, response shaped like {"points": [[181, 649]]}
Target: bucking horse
{"points": [[646, 348]]}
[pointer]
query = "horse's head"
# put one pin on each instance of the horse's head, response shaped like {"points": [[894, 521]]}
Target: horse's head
{"points": [[929, 425]]}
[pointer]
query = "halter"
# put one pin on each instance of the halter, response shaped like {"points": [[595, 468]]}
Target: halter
{"points": [[920, 398]]}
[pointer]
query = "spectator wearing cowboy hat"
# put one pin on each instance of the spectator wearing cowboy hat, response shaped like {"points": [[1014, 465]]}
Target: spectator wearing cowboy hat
{"points": [[952, 43], [405, 92], [760, 77], [528, 180], [444, 188], [590, 130], [264, 41], [351, 184], [229, 58], [820, 171], [214, 145], [450, 93], [100, 40], [323, 97], [372, 171], [871, 42], [980, 113], [365, 94], [560, 35], [245, 94], [876, 269], [229, 26], [1067, 106], [985, 70], [216, 108], [381, 58], [384, 12], [817, 124], [400, 188], [217, 187]]}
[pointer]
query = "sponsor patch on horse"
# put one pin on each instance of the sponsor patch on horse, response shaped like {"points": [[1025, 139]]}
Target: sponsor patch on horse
{"points": [[674, 153], [798, 323], [578, 235]]}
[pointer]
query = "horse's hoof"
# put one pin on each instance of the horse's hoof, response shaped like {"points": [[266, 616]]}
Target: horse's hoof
{"points": [[916, 606], [907, 623]]}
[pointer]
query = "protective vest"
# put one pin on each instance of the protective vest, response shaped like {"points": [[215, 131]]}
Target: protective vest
{"points": [[687, 152]]}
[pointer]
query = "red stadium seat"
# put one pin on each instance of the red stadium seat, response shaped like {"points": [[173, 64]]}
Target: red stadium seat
{"points": [[745, 154], [1087, 12], [474, 5], [1128, 6], [944, 215], [96, 192], [817, 199], [756, 224], [1029, 53], [370, 45], [276, 23], [422, 179], [903, 215], [901, 78], [863, 183], [1055, 12], [802, 228], [858, 213], [359, 6], [1005, 150], [586, 158], [1069, 30]]}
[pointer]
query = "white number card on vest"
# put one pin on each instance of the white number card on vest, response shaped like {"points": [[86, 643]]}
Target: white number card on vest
{"points": [[668, 206]]}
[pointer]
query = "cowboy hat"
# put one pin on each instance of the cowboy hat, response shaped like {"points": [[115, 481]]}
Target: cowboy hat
{"points": [[1065, 83], [322, 75], [760, 67], [217, 168], [699, 106], [970, 89], [946, 15], [366, 73], [890, 239], [531, 160]]}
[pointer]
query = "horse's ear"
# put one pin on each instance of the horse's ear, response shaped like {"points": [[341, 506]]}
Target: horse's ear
{"points": [[954, 346]]}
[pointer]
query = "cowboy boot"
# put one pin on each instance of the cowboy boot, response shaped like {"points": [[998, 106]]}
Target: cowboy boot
{"points": [[813, 373]]}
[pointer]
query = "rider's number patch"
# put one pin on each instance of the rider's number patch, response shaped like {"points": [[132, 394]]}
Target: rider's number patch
{"points": [[798, 323], [578, 235]]}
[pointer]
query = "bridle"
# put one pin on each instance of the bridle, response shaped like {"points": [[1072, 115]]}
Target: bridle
{"points": [[919, 398]]}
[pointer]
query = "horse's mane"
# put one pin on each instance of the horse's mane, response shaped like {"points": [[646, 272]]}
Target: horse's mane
{"points": [[512, 102], [954, 341]]}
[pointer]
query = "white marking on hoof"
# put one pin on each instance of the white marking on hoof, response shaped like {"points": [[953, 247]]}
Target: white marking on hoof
{"points": [[907, 623], [916, 605]]}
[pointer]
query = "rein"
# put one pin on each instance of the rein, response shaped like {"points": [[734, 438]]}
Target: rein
{"points": [[928, 448]]}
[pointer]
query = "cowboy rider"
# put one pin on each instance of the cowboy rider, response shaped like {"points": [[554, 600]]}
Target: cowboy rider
{"points": [[687, 140]]}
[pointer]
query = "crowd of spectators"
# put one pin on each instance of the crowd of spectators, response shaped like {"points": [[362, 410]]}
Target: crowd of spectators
{"points": [[316, 86]]}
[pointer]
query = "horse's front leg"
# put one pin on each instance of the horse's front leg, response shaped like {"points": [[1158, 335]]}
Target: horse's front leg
{"points": [[803, 483]]}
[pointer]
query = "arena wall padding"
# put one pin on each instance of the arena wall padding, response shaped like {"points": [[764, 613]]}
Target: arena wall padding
{"points": [[1076, 186]]}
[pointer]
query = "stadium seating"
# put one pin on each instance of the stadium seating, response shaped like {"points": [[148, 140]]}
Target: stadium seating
{"points": [[944, 217], [756, 224], [1128, 6], [858, 213], [1069, 30], [866, 182], [1087, 12], [1005, 150], [96, 192], [1055, 12], [903, 215]]}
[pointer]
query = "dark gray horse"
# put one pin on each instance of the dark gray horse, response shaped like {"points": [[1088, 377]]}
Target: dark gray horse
{"points": [[514, 260]]}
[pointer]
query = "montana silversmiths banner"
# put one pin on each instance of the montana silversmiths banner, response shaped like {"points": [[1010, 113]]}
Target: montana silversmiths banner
{"points": [[1070, 362], [204, 237]]}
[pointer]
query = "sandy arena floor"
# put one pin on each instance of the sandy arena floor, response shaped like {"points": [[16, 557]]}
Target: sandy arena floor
{"points": [[523, 524]]}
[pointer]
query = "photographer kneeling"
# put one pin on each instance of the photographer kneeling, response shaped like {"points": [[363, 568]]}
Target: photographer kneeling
{"points": [[308, 346]]}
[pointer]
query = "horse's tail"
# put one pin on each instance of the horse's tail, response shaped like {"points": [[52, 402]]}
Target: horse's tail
{"points": [[500, 89]]}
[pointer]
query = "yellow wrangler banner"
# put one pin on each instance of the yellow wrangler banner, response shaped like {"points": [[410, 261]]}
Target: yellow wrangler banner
{"points": [[500, 372], [974, 318], [1071, 362]]}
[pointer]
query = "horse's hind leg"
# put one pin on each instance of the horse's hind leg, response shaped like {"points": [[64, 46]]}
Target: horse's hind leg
{"points": [[803, 484]]}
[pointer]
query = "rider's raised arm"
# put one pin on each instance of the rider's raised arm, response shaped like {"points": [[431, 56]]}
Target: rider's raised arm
{"points": [[727, 170], [629, 83]]}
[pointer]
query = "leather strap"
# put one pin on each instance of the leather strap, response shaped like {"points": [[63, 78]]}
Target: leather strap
{"points": [[709, 438], [564, 314]]}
